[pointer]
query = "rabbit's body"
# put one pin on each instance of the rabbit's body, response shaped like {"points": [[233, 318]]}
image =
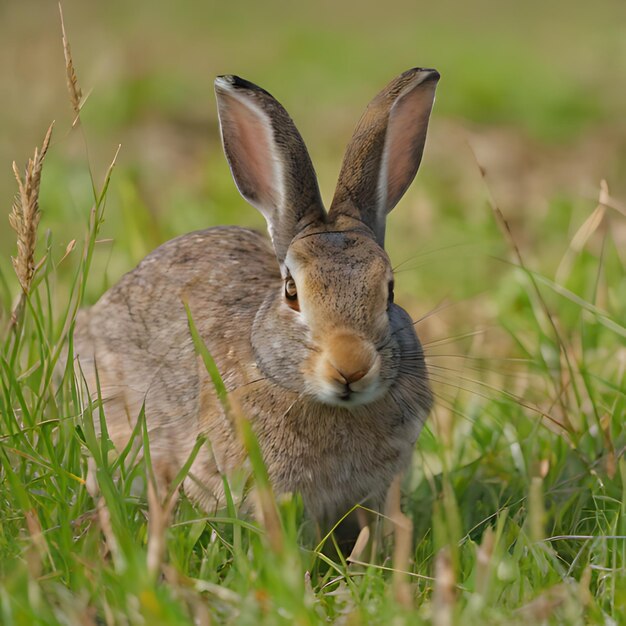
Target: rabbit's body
{"points": [[305, 333], [333, 456]]}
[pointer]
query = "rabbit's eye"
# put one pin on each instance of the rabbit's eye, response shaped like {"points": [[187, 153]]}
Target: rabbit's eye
{"points": [[291, 293], [390, 292]]}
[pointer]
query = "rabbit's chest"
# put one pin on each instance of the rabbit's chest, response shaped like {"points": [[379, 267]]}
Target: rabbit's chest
{"points": [[337, 459]]}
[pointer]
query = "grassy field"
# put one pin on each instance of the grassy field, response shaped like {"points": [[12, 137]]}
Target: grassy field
{"points": [[509, 248]]}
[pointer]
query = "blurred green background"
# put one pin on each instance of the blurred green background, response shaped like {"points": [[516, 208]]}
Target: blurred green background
{"points": [[533, 92], [527, 434]]}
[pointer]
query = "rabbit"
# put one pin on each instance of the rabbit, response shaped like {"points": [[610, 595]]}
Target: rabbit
{"points": [[302, 327]]}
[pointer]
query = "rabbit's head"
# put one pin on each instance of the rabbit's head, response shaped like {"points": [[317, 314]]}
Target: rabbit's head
{"points": [[330, 330]]}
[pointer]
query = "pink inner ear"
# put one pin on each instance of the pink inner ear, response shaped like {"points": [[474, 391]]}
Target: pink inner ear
{"points": [[405, 139], [248, 142]]}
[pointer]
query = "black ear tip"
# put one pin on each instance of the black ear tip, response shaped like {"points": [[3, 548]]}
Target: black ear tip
{"points": [[225, 80], [427, 74], [230, 82]]}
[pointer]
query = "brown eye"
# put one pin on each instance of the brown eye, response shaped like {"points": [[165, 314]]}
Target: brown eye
{"points": [[291, 293], [390, 292]]}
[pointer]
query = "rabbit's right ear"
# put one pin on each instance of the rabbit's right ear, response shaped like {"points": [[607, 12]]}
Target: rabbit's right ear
{"points": [[268, 159], [385, 151]]}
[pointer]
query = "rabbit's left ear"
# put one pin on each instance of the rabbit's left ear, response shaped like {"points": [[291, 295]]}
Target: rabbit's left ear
{"points": [[385, 151], [268, 159]]}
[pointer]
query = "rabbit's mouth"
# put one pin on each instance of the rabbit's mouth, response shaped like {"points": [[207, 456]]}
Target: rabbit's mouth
{"points": [[346, 372], [344, 394], [349, 397]]}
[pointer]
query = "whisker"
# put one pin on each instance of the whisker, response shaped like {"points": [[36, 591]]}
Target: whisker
{"points": [[433, 251], [504, 373], [449, 403], [442, 306], [446, 340], [299, 397], [479, 358], [457, 302], [504, 393], [480, 383], [251, 382]]}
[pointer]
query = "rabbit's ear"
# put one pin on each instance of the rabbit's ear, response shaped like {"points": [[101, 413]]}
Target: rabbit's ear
{"points": [[268, 159], [386, 149]]}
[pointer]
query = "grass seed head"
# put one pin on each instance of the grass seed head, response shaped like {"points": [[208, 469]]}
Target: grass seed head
{"points": [[25, 215], [75, 92]]}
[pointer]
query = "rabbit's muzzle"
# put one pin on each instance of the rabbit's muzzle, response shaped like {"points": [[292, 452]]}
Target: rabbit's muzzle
{"points": [[346, 371]]}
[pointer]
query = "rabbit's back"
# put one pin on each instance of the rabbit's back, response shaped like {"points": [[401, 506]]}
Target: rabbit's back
{"points": [[137, 338]]}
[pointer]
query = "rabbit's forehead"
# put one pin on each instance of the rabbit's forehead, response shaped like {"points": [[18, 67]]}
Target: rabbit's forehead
{"points": [[337, 253], [342, 281]]}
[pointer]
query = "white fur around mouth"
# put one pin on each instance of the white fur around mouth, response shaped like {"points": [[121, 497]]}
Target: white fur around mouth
{"points": [[328, 393]]}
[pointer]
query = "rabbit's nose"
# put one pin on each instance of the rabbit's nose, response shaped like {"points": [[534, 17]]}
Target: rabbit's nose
{"points": [[347, 369], [354, 376], [350, 358]]}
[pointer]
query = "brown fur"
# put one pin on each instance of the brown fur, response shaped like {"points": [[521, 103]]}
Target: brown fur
{"points": [[335, 388]]}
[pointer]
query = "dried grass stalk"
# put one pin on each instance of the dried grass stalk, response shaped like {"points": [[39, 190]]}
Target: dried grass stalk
{"points": [[597, 220], [37, 550], [159, 515], [25, 215], [484, 555], [104, 516], [444, 592], [403, 537], [76, 94], [360, 545]]}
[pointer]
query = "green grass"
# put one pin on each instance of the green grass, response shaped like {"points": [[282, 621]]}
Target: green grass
{"points": [[517, 486]]}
